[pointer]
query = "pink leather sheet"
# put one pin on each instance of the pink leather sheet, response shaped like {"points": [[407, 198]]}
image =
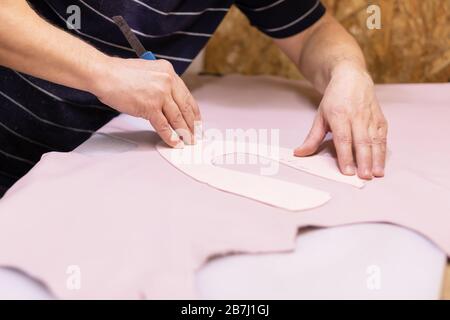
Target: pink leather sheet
{"points": [[139, 228]]}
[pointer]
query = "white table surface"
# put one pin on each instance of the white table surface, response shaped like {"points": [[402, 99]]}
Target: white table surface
{"points": [[367, 261]]}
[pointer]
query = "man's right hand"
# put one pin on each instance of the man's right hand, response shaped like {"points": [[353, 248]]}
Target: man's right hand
{"points": [[151, 90], [147, 89]]}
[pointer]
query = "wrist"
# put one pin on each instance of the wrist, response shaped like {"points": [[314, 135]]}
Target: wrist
{"points": [[348, 66], [99, 71], [350, 69]]}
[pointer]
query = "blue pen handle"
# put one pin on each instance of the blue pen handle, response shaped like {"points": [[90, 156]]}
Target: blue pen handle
{"points": [[148, 55]]}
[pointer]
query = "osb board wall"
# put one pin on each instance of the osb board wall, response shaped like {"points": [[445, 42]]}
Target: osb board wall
{"points": [[446, 285], [413, 44]]}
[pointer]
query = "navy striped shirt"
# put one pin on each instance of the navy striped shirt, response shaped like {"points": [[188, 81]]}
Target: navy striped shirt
{"points": [[37, 116]]}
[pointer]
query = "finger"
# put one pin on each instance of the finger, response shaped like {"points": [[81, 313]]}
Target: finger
{"points": [[378, 154], [342, 138], [198, 126], [185, 102], [314, 138], [379, 148], [378, 133], [177, 121], [193, 102], [363, 148], [162, 127]]}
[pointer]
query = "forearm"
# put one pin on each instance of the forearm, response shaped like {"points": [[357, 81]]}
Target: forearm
{"points": [[328, 48], [322, 50], [33, 46]]}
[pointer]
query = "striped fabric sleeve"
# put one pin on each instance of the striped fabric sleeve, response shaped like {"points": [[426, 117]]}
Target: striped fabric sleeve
{"points": [[281, 18]]}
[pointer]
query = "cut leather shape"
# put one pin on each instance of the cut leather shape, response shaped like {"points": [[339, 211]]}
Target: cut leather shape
{"points": [[187, 158], [198, 162]]}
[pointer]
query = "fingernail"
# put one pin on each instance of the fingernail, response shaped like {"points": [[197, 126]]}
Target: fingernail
{"points": [[174, 136], [350, 170], [378, 171], [187, 138], [299, 152], [367, 174], [179, 145], [190, 139]]}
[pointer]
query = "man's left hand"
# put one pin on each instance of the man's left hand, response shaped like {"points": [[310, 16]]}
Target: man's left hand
{"points": [[350, 110]]}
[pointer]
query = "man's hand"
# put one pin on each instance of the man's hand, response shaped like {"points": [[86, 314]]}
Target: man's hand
{"points": [[332, 61], [148, 89], [350, 110], [153, 91]]}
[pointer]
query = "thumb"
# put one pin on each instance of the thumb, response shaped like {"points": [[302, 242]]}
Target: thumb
{"points": [[314, 138]]}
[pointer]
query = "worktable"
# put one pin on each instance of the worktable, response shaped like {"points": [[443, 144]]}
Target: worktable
{"points": [[366, 261]]}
